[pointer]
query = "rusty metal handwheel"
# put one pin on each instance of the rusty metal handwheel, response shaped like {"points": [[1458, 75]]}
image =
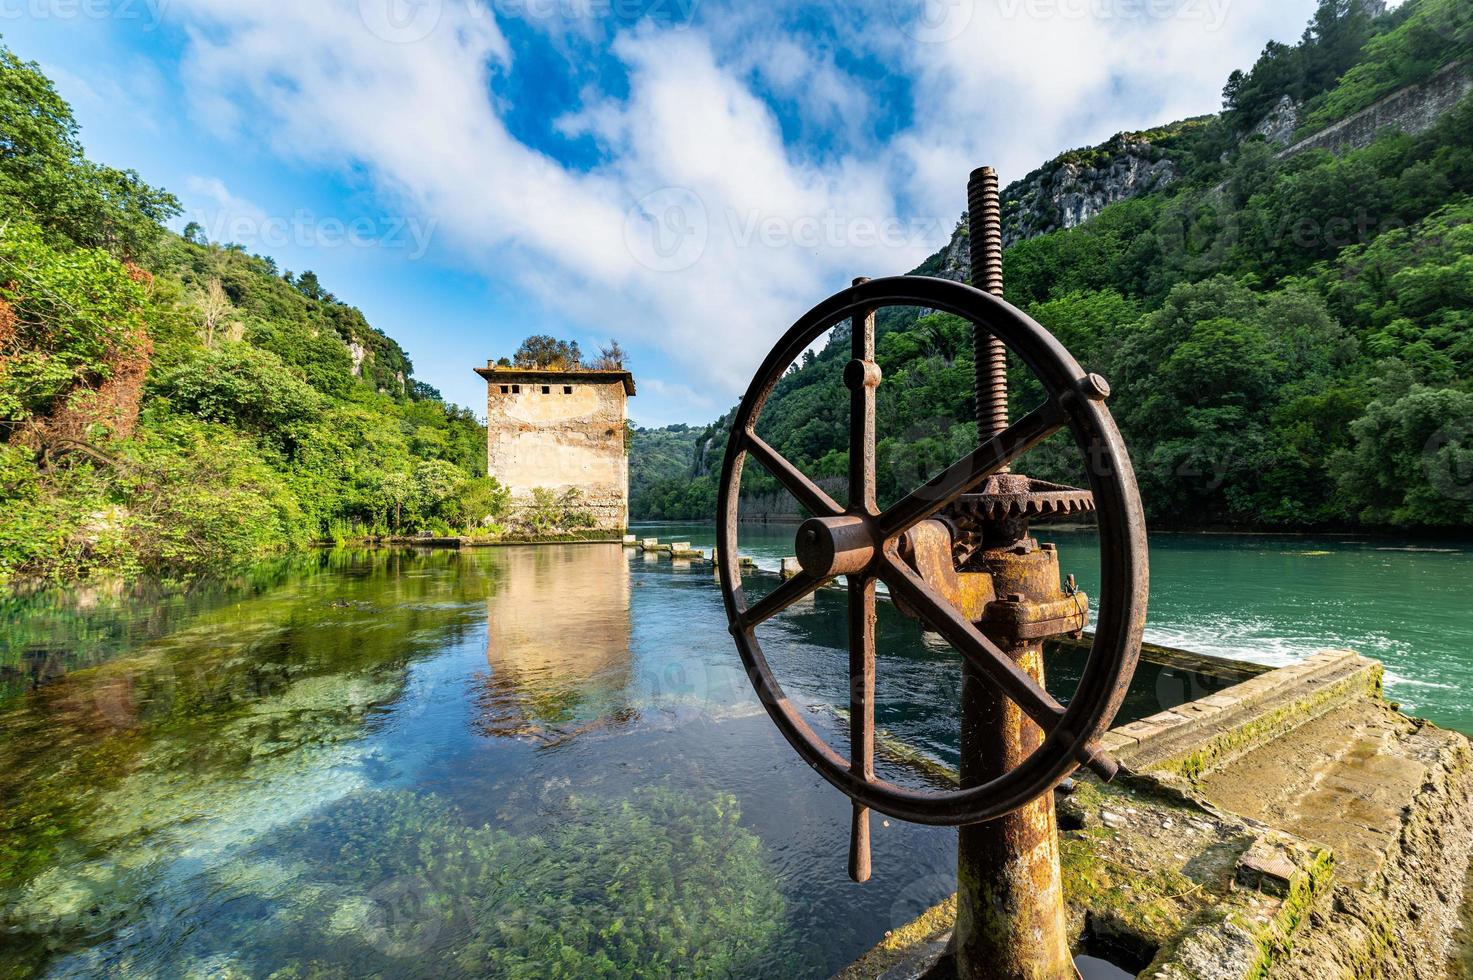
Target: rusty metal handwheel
{"points": [[861, 542]]}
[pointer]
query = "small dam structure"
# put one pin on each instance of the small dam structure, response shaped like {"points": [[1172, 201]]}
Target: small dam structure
{"points": [[561, 430]]}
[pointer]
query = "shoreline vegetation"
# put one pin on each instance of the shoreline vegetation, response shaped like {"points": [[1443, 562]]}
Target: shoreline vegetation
{"points": [[175, 407], [595, 536]]}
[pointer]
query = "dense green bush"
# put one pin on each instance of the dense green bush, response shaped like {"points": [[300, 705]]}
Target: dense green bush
{"points": [[200, 497], [551, 513], [68, 316], [243, 385]]}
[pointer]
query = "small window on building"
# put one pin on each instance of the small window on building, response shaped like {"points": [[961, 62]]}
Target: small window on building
{"points": [[567, 389], [516, 389], [546, 390], [505, 389]]}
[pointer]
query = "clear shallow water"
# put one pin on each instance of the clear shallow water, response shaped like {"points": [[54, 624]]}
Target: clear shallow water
{"points": [[480, 764]]}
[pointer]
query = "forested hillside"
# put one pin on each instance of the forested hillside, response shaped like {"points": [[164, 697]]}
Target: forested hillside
{"points": [[1290, 338], [174, 405]]}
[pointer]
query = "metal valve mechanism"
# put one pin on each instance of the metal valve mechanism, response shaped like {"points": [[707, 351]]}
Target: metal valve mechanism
{"points": [[956, 555]]}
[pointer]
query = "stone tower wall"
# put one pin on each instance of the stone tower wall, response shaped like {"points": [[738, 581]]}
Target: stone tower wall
{"points": [[561, 434]]}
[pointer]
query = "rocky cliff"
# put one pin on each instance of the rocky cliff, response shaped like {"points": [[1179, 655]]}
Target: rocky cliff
{"points": [[1071, 189]]}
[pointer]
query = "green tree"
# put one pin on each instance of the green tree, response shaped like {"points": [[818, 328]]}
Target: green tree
{"points": [[543, 352], [44, 176], [1412, 462], [245, 386], [482, 502]]}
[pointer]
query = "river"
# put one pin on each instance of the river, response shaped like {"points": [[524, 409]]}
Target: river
{"points": [[538, 761]]}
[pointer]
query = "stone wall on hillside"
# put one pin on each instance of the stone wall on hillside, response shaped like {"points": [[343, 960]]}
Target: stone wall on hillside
{"points": [[1066, 193], [1412, 110]]}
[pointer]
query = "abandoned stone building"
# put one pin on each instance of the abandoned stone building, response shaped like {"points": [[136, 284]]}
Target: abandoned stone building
{"points": [[560, 430]]}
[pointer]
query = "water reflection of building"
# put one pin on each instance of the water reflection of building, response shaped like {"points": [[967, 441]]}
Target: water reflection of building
{"points": [[558, 642]]}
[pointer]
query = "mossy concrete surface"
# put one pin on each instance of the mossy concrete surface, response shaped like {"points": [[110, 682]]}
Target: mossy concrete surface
{"points": [[1295, 827], [1152, 876], [1393, 798], [1201, 736]]}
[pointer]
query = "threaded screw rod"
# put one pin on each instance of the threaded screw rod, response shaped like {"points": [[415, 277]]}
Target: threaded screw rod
{"points": [[984, 226]]}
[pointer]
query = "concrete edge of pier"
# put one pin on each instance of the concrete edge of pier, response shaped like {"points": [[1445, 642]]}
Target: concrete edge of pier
{"points": [[1199, 737]]}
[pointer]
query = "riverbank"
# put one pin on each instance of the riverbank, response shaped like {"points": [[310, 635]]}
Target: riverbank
{"points": [[1451, 539], [475, 541]]}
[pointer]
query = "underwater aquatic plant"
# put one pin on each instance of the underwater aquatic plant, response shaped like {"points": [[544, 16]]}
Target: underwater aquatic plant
{"points": [[393, 882], [657, 885]]}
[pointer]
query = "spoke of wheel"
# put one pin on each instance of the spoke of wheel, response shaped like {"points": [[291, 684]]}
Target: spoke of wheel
{"points": [[793, 590], [968, 473], [807, 492], [861, 712], [862, 415], [970, 642]]}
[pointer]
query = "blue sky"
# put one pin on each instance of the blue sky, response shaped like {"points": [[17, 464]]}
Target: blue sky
{"points": [[685, 175]]}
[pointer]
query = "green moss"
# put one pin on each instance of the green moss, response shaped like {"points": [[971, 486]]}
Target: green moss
{"points": [[1275, 939], [1148, 904]]}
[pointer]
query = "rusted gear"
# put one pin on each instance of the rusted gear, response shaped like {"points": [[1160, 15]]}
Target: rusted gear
{"points": [[1006, 503]]}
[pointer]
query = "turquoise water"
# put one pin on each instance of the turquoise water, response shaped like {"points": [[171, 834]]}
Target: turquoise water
{"points": [[1277, 599], [505, 761]]}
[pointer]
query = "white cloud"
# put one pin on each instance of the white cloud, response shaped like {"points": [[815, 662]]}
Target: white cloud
{"points": [[417, 118], [1023, 80], [732, 233]]}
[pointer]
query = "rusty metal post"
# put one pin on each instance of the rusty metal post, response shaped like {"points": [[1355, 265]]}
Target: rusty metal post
{"points": [[1010, 901], [862, 379]]}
